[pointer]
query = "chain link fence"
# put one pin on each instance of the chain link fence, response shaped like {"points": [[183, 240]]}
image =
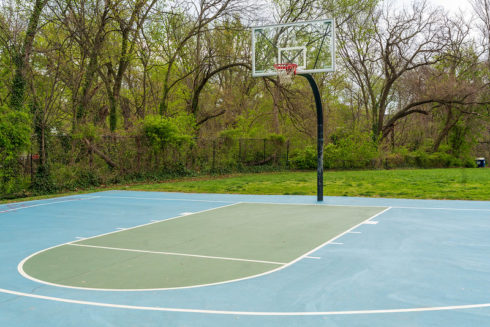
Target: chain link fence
{"points": [[123, 156]]}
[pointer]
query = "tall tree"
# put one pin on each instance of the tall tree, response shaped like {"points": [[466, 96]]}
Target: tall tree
{"points": [[381, 46], [22, 55], [130, 18], [184, 28], [482, 12]]}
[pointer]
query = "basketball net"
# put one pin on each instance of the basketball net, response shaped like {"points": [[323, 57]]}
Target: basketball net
{"points": [[285, 73]]}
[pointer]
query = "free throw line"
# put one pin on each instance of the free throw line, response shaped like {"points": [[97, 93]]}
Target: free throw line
{"points": [[176, 254]]}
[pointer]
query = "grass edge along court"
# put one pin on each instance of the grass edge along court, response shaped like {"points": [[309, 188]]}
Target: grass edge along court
{"points": [[441, 184], [224, 244]]}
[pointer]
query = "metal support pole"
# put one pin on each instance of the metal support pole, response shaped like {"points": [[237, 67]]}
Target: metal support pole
{"points": [[319, 117]]}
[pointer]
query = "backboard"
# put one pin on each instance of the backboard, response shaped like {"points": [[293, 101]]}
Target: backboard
{"points": [[310, 45]]}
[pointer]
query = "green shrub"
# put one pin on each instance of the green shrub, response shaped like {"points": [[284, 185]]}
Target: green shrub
{"points": [[162, 131], [304, 159], [63, 176], [423, 159], [277, 139], [351, 149], [43, 182], [86, 177], [14, 139]]}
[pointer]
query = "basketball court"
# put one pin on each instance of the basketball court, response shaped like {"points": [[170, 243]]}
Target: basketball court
{"points": [[120, 258]]}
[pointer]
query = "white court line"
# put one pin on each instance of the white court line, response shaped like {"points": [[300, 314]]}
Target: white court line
{"points": [[354, 232], [249, 313], [178, 254], [150, 223], [317, 204], [316, 258], [370, 206], [447, 209], [300, 204], [20, 266], [336, 243], [121, 228], [24, 274], [371, 222], [162, 199], [248, 202], [49, 203]]}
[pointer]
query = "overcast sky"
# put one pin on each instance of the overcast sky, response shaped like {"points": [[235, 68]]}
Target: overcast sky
{"points": [[451, 5]]}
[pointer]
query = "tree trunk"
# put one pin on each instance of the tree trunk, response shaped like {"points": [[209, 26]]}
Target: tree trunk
{"points": [[448, 125], [21, 59], [101, 154]]}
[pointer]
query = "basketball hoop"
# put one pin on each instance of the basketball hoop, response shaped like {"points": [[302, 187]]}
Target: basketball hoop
{"points": [[302, 48], [286, 72]]}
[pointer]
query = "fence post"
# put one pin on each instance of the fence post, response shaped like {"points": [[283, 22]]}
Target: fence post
{"points": [[239, 150], [265, 140], [138, 153], [287, 154], [32, 168], [90, 158], [214, 155]]}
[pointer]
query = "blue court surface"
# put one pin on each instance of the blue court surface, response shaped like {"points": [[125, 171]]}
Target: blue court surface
{"points": [[412, 263]]}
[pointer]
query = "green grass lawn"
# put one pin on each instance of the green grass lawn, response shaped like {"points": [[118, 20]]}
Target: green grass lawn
{"points": [[458, 183], [454, 184]]}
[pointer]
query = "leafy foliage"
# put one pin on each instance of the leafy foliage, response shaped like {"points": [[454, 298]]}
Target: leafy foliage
{"points": [[352, 149], [162, 132], [304, 159], [14, 140], [94, 108]]}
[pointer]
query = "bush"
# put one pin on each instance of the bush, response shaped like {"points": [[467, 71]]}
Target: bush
{"points": [[350, 150], [423, 159], [277, 139], [14, 139], [43, 182], [304, 159], [87, 178], [162, 131]]}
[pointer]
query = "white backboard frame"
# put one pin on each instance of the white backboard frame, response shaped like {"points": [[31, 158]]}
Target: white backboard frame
{"points": [[277, 55]]}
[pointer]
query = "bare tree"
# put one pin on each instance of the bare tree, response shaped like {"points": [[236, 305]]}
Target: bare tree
{"points": [[482, 11], [381, 46], [453, 90], [183, 29], [130, 18], [86, 23]]}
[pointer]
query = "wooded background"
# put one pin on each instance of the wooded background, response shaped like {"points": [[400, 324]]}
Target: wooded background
{"points": [[105, 91]]}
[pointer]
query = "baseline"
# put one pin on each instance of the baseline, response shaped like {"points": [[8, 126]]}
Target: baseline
{"points": [[302, 204]]}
